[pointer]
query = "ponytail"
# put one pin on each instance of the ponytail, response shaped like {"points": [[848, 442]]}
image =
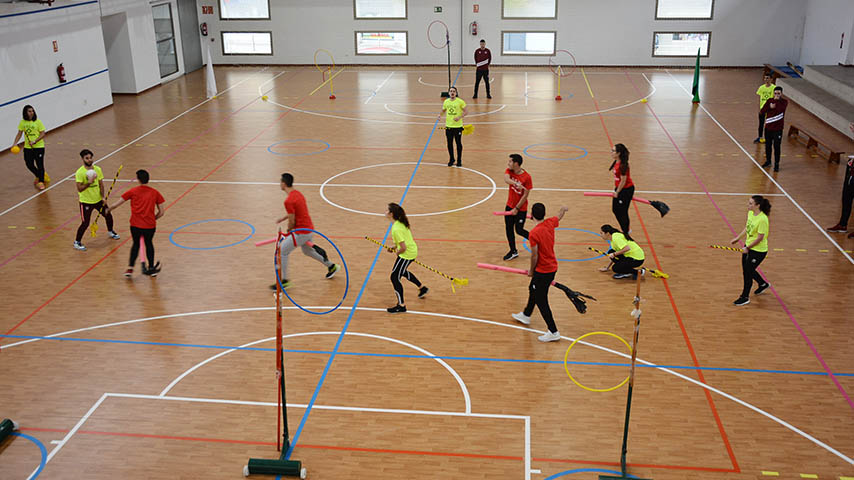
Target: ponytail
{"points": [[764, 204], [398, 214], [623, 153], [611, 230]]}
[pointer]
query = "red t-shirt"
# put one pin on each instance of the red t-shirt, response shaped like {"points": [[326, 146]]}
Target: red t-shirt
{"points": [[515, 193], [629, 182], [295, 205], [142, 201], [543, 237]]}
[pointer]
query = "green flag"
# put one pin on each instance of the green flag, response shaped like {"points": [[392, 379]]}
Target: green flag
{"points": [[695, 90]]}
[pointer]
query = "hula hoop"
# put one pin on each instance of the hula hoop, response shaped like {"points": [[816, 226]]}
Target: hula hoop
{"points": [[346, 274], [447, 40], [589, 389], [331, 59], [556, 68]]}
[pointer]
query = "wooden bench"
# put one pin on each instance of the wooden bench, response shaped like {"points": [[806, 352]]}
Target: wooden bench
{"points": [[813, 142]]}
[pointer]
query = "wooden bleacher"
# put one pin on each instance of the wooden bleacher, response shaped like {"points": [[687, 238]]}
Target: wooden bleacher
{"points": [[813, 143]]}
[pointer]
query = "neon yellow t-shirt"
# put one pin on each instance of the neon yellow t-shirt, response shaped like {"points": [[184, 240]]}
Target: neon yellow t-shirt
{"points": [[92, 194], [765, 93], [618, 242], [453, 108], [757, 224], [32, 129], [399, 233]]}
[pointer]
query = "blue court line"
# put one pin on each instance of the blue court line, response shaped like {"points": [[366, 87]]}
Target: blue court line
{"points": [[359, 297], [42, 450], [47, 9], [584, 470], [53, 88], [430, 357]]}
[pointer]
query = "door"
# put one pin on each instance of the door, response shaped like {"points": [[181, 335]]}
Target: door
{"points": [[190, 43], [168, 45]]}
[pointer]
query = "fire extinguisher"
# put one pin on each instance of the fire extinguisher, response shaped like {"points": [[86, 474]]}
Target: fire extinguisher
{"points": [[60, 72], [204, 29], [473, 28]]}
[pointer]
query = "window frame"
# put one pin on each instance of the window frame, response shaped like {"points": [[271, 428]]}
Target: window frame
{"points": [[503, 17], [243, 19], [222, 42], [710, 17], [356, 43], [404, 17], [708, 46], [554, 46]]}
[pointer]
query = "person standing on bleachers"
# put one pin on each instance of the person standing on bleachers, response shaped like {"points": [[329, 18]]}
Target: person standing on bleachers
{"points": [[847, 195], [774, 111], [765, 91]]}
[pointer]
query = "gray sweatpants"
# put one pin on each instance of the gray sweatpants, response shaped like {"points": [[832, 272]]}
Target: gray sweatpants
{"points": [[290, 242]]}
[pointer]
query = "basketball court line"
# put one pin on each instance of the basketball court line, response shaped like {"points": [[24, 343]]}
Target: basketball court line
{"points": [[664, 369], [376, 90]]}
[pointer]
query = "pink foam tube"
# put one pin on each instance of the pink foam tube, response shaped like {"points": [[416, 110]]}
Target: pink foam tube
{"points": [[506, 213], [607, 194], [273, 240], [500, 268]]}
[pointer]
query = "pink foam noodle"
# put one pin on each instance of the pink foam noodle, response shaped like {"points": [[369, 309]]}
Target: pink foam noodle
{"points": [[507, 213], [609, 194], [500, 268], [273, 240]]}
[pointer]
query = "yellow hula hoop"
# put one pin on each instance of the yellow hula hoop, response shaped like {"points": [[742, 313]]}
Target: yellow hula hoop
{"points": [[566, 367], [331, 59]]}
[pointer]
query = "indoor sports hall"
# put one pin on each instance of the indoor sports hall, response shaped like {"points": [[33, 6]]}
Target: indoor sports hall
{"points": [[242, 347]]}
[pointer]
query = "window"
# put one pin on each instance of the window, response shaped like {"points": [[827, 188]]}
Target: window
{"points": [[528, 43], [244, 9], [374, 9], [528, 8], [164, 34], [684, 9], [680, 44], [381, 43], [247, 43]]}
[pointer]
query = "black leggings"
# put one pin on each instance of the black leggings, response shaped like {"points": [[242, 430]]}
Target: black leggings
{"points": [[761, 124], [620, 207], [148, 235], [516, 222], [86, 210], [624, 264], [400, 270], [773, 139], [538, 294], [451, 134], [484, 74], [749, 263], [34, 158], [847, 199]]}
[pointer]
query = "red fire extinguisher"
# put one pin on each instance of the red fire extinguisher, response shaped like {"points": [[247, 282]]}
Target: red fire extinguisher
{"points": [[60, 72], [473, 28]]}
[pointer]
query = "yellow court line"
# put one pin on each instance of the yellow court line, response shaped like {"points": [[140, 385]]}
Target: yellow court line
{"points": [[324, 83], [770, 474], [586, 82], [846, 478], [809, 475]]}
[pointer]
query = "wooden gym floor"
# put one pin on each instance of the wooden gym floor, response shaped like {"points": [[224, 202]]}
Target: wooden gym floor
{"points": [[143, 378]]}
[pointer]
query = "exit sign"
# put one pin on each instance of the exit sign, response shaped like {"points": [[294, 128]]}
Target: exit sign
{"points": [[437, 9], [207, 10]]}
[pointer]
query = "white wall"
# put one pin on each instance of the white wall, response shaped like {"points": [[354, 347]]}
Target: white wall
{"points": [[141, 61], [826, 21], [28, 64], [612, 32]]}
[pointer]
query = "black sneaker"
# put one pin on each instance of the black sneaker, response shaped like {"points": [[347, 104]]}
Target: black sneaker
{"points": [[489, 96], [766, 164], [474, 96], [761, 288], [396, 309], [451, 162], [740, 301], [459, 164], [330, 272], [776, 168], [511, 255], [756, 140], [151, 272], [422, 292]]}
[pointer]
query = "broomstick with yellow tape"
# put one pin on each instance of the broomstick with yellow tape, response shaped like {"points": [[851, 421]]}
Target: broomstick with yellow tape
{"points": [[94, 228], [655, 273], [455, 282]]}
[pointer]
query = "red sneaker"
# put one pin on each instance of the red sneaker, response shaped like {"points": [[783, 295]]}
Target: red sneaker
{"points": [[838, 228], [129, 272]]}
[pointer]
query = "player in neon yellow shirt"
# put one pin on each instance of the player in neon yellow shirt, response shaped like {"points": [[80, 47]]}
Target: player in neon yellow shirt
{"points": [[90, 192], [765, 91], [627, 256], [33, 131], [755, 246], [407, 250], [454, 109]]}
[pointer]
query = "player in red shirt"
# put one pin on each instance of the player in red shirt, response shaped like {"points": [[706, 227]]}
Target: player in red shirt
{"points": [[517, 202], [543, 269], [144, 200], [298, 217], [624, 188]]}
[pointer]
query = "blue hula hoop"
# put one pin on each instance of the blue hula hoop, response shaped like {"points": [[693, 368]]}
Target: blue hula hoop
{"points": [[346, 274]]}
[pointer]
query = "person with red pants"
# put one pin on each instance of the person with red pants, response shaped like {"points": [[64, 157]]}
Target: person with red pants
{"points": [[847, 195], [774, 111], [145, 208], [542, 271], [517, 202]]}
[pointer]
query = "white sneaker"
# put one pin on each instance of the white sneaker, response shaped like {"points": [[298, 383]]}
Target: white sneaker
{"points": [[521, 318], [114, 235], [79, 246], [549, 337]]}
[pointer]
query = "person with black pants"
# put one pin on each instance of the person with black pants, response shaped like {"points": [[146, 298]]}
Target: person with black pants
{"points": [[765, 92], [755, 247], [146, 207], [624, 188], [34, 132], [774, 111], [482, 59], [517, 202], [625, 254], [542, 271], [847, 196], [455, 109]]}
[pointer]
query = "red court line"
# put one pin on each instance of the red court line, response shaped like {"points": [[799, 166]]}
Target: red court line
{"points": [[69, 285], [377, 450]]}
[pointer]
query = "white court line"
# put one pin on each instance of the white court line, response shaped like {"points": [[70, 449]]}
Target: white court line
{"points": [[376, 90], [526, 88], [260, 94], [525, 418], [785, 193], [415, 115], [4, 212], [486, 322]]}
